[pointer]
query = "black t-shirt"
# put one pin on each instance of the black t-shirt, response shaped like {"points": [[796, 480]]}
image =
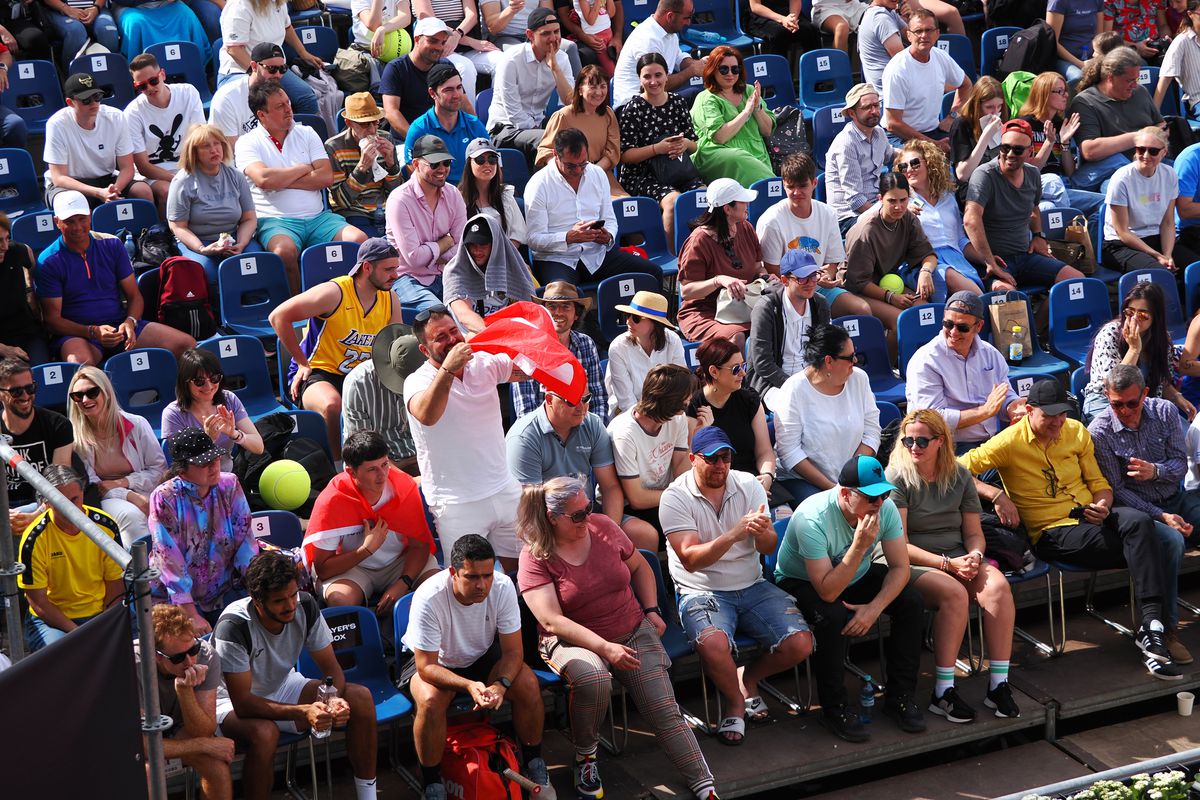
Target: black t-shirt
{"points": [[1054, 163], [962, 142], [735, 419], [16, 319], [47, 431], [402, 78]]}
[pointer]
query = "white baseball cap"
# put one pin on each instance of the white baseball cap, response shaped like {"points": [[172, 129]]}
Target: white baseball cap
{"points": [[724, 191], [70, 204], [430, 26]]}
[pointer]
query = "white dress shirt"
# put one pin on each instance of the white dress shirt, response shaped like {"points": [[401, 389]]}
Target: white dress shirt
{"points": [[522, 88], [552, 207]]}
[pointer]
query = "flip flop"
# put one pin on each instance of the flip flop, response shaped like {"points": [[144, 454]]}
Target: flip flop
{"points": [[756, 709], [732, 731]]}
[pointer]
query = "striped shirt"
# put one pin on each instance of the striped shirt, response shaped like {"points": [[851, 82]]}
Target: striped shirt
{"points": [[529, 395], [853, 164], [369, 405], [354, 193], [1182, 62]]}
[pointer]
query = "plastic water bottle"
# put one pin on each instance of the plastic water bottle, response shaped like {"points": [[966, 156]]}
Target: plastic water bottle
{"points": [[130, 246], [1016, 349], [709, 37], [866, 700], [325, 693]]}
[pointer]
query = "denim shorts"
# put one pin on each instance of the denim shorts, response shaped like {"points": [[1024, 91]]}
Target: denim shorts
{"points": [[761, 611], [324, 227]]}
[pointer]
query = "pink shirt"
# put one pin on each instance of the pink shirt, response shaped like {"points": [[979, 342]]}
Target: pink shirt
{"points": [[414, 229], [595, 594]]}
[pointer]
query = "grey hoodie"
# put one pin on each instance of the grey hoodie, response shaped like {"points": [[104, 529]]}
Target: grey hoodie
{"points": [[506, 279]]}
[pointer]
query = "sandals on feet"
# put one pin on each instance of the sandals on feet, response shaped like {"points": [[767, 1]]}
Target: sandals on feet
{"points": [[756, 709], [732, 731]]}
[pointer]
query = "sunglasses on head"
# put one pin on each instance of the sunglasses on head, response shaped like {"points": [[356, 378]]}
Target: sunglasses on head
{"points": [[722, 457], [578, 516], [90, 394], [1127, 405], [20, 391], [201, 380], [905, 166], [919, 441], [961, 327], [140, 86], [1014, 149], [423, 317], [726, 69], [1140, 150], [1142, 316], [275, 70], [583, 401], [486, 158], [178, 658]]}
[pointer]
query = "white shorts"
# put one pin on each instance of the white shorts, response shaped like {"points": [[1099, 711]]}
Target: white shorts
{"points": [[494, 518], [850, 10], [288, 694]]}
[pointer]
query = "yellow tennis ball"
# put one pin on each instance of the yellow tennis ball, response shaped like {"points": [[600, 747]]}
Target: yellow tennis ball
{"points": [[395, 44], [892, 283], [284, 485]]}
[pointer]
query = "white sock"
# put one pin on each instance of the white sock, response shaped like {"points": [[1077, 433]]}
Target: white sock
{"points": [[1155, 625], [364, 788]]}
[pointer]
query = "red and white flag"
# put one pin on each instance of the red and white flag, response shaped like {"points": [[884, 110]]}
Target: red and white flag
{"points": [[525, 332]]}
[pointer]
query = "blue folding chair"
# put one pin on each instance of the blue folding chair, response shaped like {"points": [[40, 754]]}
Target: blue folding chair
{"points": [[620, 289], [1037, 361], [34, 93], [870, 342], [770, 192], [824, 79], [36, 230], [1165, 280], [1023, 384], [914, 327], [775, 76], [1078, 308], [643, 216], [958, 47], [184, 63], [320, 41], [314, 121], [721, 17], [311, 425], [636, 12], [280, 528], [888, 412], [244, 364], [688, 206], [1079, 381], [144, 382], [819, 192], [20, 187], [111, 72], [992, 45], [689, 355], [483, 105], [828, 122], [1191, 283], [52, 380], [251, 286], [132, 216], [516, 169], [324, 262]]}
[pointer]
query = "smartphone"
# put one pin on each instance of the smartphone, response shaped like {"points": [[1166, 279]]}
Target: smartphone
{"points": [[1076, 512], [597, 225], [916, 203]]}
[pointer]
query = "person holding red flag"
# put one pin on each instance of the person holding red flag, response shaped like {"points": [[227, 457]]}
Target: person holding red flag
{"points": [[368, 534]]}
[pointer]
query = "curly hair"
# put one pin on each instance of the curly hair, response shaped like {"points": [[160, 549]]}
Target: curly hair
{"points": [[169, 620], [269, 571], [938, 180]]}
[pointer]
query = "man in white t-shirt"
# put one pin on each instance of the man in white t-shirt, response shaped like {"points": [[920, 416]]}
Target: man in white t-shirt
{"points": [[914, 82], [159, 118], [288, 169], [356, 558], [464, 631], [88, 148], [650, 439], [454, 416], [230, 109], [716, 522], [658, 34]]}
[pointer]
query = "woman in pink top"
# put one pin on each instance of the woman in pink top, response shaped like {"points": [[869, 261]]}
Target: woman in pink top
{"points": [[594, 597]]}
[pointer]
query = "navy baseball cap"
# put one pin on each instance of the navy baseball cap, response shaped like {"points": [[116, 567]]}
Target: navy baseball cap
{"points": [[709, 440], [865, 474]]}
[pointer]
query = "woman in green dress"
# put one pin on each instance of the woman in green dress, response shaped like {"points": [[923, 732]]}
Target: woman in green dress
{"points": [[731, 121]]}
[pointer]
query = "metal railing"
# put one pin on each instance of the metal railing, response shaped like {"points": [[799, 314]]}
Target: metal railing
{"points": [[1118, 774]]}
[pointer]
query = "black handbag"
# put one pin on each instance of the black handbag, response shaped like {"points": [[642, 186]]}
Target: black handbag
{"points": [[788, 138], [678, 173]]}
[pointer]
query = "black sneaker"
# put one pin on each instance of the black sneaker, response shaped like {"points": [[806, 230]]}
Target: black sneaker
{"points": [[1001, 700], [845, 724], [1164, 672], [587, 779], [1153, 644], [951, 706], [906, 713]]}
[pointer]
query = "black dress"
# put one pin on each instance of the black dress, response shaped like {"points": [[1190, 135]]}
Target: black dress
{"points": [[643, 125]]}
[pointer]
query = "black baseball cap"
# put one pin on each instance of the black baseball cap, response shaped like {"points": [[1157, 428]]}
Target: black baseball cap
{"points": [[477, 232], [82, 86], [540, 16], [431, 149], [264, 50], [1050, 396]]}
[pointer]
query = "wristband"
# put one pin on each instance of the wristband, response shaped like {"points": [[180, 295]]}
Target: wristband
{"points": [[407, 581], [887, 296], [652, 610]]}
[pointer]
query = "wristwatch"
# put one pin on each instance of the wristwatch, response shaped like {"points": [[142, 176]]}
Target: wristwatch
{"points": [[505, 682], [1039, 234], [652, 610], [407, 581]]}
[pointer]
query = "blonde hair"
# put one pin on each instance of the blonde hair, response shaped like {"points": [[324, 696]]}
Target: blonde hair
{"points": [[988, 88], [937, 169], [1158, 133], [87, 438], [1037, 104], [169, 620], [198, 136], [903, 470], [538, 502]]}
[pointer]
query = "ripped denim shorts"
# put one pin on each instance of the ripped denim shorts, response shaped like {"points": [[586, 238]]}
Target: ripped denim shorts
{"points": [[761, 611]]}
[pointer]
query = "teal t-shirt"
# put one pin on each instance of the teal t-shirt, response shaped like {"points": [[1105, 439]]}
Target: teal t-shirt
{"points": [[819, 530]]}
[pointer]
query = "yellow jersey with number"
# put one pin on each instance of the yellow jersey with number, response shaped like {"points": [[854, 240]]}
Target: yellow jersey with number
{"points": [[343, 338]]}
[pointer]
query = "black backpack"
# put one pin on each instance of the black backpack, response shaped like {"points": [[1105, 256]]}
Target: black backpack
{"points": [[280, 442], [1034, 49]]}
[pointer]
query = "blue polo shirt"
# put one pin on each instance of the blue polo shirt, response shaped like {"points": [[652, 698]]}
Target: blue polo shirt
{"points": [[1187, 167], [536, 454], [88, 284], [469, 127]]}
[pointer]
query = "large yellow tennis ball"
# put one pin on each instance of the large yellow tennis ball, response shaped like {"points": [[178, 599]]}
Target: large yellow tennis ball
{"points": [[892, 283], [284, 485], [395, 44]]}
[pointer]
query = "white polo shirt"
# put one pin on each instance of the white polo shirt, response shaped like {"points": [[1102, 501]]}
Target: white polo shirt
{"points": [[300, 146]]}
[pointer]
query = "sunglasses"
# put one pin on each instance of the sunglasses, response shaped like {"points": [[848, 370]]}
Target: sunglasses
{"points": [[140, 86], [725, 69], [583, 401], [178, 658], [90, 394], [905, 166], [279, 70], [1144, 150], [200, 380], [1059, 91], [961, 327], [1142, 316], [578, 516], [20, 391], [919, 441], [1127, 405], [1014, 149], [423, 317], [487, 158], [857, 359], [872, 500], [723, 457], [89, 101], [736, 369]]}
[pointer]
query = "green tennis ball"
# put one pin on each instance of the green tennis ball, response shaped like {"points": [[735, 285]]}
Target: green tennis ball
{"points": [[284, 485], [395, 44], [892, 283]]}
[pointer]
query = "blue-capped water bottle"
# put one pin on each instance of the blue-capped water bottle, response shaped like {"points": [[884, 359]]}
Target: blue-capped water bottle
{"points": [[708, 37], [866, 700], [130, 246]]}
